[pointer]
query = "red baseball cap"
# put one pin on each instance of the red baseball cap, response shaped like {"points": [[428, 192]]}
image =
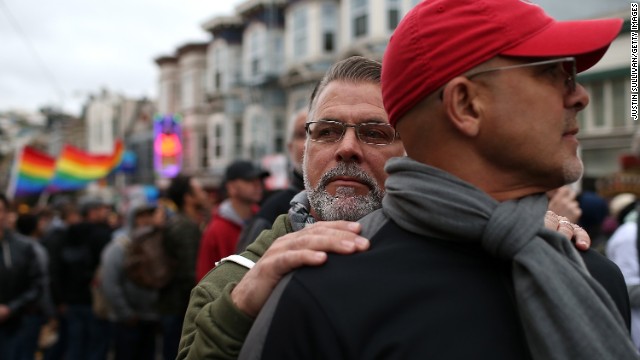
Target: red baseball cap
{"points": [[441, 39]]}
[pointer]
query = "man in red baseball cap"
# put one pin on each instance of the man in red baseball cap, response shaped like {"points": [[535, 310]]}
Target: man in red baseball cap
{"points": [[484, 95], [441, 39]]}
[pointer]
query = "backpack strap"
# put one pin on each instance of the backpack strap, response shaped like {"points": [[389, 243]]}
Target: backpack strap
{"points": [[238, 259]]}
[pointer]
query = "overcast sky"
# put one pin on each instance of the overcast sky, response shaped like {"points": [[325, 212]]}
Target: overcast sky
{"points": [[83, 45], [58, 52]]}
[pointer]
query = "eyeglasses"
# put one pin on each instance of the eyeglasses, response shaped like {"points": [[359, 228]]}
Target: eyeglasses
{"points": [[568, 66], [328, 131]]}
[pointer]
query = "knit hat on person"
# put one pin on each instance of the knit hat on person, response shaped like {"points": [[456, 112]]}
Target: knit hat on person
{"points": [[441, 39]]}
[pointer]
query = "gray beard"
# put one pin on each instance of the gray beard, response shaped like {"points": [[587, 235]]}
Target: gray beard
{"points": [[345, 205]]}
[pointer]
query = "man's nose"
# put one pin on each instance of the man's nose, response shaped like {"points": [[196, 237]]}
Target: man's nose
{"points": [[579, 99], [349, 147]]}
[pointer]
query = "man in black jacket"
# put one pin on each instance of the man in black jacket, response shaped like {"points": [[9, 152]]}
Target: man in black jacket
{"points": [[483, 94], [76, 261], [20, 281]]}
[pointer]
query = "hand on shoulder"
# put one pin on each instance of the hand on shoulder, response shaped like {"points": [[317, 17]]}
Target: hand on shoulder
{"points": [[307, 247], [568, 229]]}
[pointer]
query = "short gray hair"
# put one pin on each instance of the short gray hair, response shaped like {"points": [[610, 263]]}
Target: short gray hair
{"points": [[354, 69], [291, 125]]}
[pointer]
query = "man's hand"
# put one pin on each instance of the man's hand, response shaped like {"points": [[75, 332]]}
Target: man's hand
{"points": [[562, 201], [307, 247], [4, 313], [570, 230]]}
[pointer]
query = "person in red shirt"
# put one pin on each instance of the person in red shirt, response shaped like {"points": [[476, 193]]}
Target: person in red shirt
{"points": [[243, 184]]}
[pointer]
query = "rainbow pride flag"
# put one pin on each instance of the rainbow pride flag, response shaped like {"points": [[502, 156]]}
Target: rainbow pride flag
{"points": [[76, 168], [34, 171]]}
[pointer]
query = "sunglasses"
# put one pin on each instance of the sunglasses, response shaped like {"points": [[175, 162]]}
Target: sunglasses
{"points": [[568, 66]]}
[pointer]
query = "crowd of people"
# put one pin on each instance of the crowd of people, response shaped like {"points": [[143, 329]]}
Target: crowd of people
{"points": [[69, 291], [68, 288], [442, 226]]}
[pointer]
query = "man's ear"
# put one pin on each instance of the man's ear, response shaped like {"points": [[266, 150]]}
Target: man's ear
{"points": [[290, 147], [230, 187], [461, 104]]}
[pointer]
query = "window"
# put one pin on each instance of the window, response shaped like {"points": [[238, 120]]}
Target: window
{"points": [[359, 16], [217, 81], [237, 76], [255, 53], [601, 161], [329, 25], [394, 18], [204, 152], [217, 136], [608, 109], [327, 42], [393, 14], [597, 104], [218, 66], [255, 67], [232, 61], [358, 4], [620, 94], [582, 119], [360, 26], [299, 32], [276, 54], [202, 81], [238, 139], [280, 130], [259, 133]]}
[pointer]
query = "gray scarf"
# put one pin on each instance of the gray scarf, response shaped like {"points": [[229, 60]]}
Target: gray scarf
{"points": [[299, 213], [580, 323]]}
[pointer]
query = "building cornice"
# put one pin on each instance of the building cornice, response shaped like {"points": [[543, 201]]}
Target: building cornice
{"points": [[191, 47], [250, 6], [220, 23], [166, 60]]}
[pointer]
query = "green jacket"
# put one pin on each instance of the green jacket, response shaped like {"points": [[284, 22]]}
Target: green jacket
{"points": [[214, 328]]}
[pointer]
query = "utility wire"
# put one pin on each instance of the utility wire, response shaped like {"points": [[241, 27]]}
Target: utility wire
{"points": [[34, 53]]}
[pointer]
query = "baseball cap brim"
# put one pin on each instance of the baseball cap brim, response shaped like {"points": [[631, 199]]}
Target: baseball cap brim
{"points": [[252, 175], [586, 40]]}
